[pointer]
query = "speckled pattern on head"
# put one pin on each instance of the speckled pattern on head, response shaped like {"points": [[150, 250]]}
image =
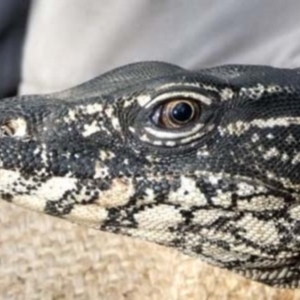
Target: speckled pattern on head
{"points": [[112, 154]]}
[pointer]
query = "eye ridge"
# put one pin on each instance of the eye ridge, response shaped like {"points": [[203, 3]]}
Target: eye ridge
{"points": [[176, 113]]}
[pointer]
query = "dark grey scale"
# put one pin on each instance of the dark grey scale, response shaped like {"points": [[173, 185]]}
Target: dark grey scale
{"points": [[226, 185], [291, 280], [161, 191], [92, 194], [30, 187], [92, 190], [140, 187], [164, 186], [206, 188], [137, 203], [182, 243], [286, 234], [224, 224], [111, 227], [247, 167], [21, 156], [187, 216], [118, 217], [62, 207], [64, 160], [29, 163], [7, 197], [118, 167], [58, 209], [255, 158], [290, 233], [268, 105], [271, 215]]}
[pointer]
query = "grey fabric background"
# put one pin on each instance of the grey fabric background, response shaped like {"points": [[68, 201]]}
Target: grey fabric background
{"points": [[13, 16], [70, 41]]}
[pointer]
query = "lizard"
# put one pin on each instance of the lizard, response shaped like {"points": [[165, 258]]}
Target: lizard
{"points": [[206, 162]]}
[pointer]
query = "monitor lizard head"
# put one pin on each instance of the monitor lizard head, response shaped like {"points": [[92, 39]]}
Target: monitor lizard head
{"points": [[204, 161]]}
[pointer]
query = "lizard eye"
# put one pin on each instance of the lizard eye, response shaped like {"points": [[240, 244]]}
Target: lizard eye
{"points": [[176, 113]]}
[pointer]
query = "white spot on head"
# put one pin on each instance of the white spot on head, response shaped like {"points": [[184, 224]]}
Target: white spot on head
{"points": [[70, 117], [296, 159], [255, 138], [101, 171], [157, 143], [188, 194], [273, 89], [170, 143], [109, 112], [237, 128], [92, 108], [271, 153], [115, 123], [270, 175], [106, 154], [132, 129], [143, 99], [245, 189], [144, 138], [254, 92], [90, 129], [44, 154], [290, 139], [202, 153], [226, 94], [284, 157]]}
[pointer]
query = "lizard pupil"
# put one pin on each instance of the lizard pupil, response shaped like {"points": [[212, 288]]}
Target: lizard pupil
{"points": [[182, 112], [176, 113]]}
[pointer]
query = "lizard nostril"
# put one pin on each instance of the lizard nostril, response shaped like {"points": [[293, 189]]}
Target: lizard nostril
{"points": [[14, 128]]}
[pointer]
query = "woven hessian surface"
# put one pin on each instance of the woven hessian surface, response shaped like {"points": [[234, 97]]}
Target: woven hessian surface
{"points": [[42, 257]]}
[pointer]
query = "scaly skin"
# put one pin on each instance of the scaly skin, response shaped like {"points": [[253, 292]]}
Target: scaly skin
{"points": [[224, 186]]}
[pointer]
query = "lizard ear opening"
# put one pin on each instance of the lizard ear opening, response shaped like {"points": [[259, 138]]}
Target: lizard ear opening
{"points": [[14, 128]]}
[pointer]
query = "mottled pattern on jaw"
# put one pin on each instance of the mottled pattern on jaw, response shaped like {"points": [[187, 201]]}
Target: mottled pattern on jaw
{"points": [[225, 188]]}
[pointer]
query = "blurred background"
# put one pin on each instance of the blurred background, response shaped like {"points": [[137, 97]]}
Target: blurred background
{"points": [[47, 46], [13, 21]]}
